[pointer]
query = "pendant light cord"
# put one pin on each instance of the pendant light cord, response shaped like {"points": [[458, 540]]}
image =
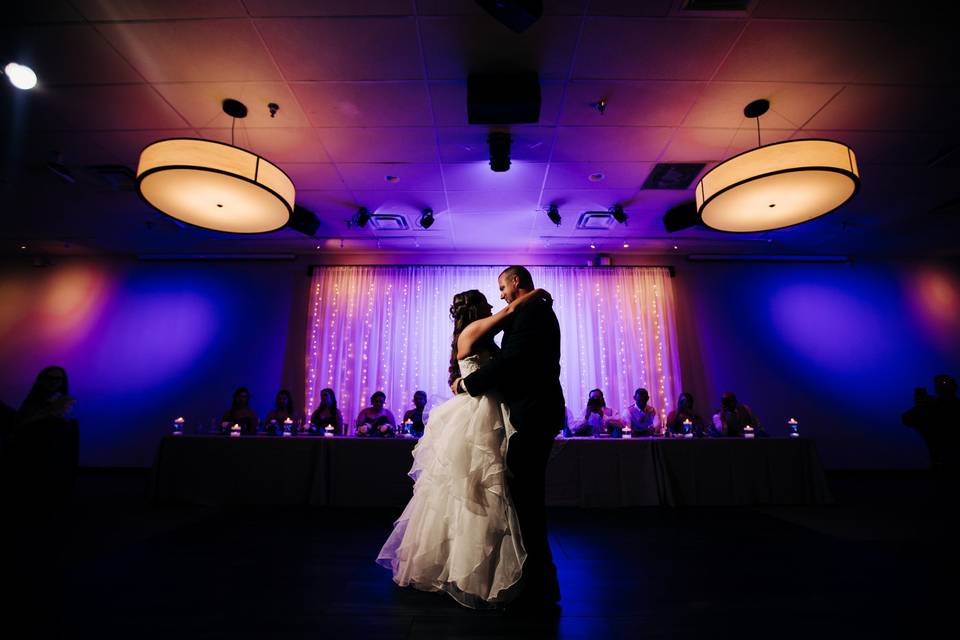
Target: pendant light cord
{"points": [[233, 124], [758, 131]]}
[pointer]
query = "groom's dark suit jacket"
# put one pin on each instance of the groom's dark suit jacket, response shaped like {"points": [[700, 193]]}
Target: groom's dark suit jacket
{"points": [[527, 371]]}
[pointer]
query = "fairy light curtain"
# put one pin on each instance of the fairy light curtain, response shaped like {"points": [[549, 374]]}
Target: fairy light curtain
{"points": [[389, 329]]}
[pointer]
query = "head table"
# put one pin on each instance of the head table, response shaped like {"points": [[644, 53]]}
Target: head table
{"points": [[585, 472]]}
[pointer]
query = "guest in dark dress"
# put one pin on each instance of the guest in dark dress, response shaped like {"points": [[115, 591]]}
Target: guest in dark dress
{"points": [[241, 413], [417, 417], [327, 414], [683, 412], [282, 410], [376, 421]]}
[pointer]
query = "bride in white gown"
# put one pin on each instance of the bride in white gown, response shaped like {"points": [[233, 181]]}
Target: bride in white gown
{"points": [[459, 532]]}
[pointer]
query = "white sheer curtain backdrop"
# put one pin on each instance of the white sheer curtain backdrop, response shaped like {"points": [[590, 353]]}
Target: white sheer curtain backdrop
{"points": [[389, 329]]}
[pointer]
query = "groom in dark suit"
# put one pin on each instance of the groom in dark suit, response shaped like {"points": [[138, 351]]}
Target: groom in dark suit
{"points": [[527, 376]]}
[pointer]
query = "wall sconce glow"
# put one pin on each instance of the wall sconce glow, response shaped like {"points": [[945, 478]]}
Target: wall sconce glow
{"points": [[215, 186], [20, 76], [778, 185]]}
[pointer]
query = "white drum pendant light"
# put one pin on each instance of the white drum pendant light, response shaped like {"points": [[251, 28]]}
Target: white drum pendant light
{"points": [[777, 185], [215, 185]]}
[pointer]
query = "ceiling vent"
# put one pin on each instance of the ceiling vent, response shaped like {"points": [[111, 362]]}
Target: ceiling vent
{"points": [[388, 222], [596, 221], [675, 176]]}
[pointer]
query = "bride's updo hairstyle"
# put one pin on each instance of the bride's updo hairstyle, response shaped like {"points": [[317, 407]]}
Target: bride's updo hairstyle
{"points": [[468, 306]]}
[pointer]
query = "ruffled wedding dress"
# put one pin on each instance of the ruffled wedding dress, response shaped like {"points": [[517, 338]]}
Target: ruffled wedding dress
{"points": [[459, 532]]}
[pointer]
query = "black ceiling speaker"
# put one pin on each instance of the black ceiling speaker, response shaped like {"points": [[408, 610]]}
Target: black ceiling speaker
{"points": [[494, 98], [303, 220], [516, 15], [681, 216]]}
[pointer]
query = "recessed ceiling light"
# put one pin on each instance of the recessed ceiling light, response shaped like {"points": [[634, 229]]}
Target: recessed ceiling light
{"points": [[626, 246], [392, 179], [596, 177], [675, 247], [20, 76], [23, 246], [593, 245]]}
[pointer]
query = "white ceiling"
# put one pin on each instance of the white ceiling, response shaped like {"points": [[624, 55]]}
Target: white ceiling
{"points": [[370, 88]]}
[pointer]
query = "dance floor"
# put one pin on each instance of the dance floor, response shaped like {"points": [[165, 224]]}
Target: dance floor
{"points": [[130, 570], [360, 472]]}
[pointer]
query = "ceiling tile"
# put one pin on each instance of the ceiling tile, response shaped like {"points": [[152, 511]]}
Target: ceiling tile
{"points": [[297, 8], [745, 139], [471, 8], [475, 176], [409, 176], [398, 144], [407, 203], [573, 202], [52, 52], [615, 175], [276, 144], [105, 107], [39, 12], [625, 144], [201, 103], [125, 146], [629, 103], [832, 10], [456, 46], [627, 49], [309, 175], [450, 102], [791, 104], [469, 144], [698, 145], [914, 53], [193, 50], [122, 10], [344, 48], [648, 8], [884, 147], [883, 108], [366, 104], [513, 202], [798, 51], [492, 231]]}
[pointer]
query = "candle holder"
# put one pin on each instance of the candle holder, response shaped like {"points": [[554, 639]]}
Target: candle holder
{"points": [[793, 428], [328, 431], [235, 431], [178, 426], [748, 432], [687, 428], [627, 432]]}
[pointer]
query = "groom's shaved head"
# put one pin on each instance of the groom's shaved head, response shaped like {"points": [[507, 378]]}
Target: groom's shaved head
{"points": [[521, 273]]}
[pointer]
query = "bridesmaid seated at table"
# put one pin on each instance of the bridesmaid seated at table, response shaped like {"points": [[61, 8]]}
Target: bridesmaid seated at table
{"points": [[327, 414], [417, 417], [241, 413], [642, 418], [683, 412], [282, 409], [376, 420]]}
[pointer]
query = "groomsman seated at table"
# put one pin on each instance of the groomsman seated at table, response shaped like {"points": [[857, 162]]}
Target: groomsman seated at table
{"points": [[327, 414], [733, 417], [683, 413], [241, 413], [595, 418], [416, 418], [376, 421], [642, 418]]}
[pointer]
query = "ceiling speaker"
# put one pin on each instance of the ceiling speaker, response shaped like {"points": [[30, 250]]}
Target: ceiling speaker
{"points": [[303, 220], [516, 15], [503, 98], [681, 216]]}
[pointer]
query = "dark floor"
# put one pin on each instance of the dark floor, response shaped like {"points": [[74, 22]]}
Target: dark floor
{"points": [[865, 568]]}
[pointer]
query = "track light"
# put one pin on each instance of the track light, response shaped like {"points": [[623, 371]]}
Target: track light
{"points": [[426, 218], [618, 213], [361, 217], [553, 212], [499, 151]]}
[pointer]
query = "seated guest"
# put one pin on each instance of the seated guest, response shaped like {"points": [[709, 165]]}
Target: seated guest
{"points": [[733, 416], [683, 412], [417, 417], [327, 414], [282, 409], [595, 417], [642, 418], [376, 420], [241, 413]]}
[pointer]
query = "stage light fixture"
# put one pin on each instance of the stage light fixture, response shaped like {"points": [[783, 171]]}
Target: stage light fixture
{"points": [[618, 213], [499, 151], [426, 218], [553, 212]]}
